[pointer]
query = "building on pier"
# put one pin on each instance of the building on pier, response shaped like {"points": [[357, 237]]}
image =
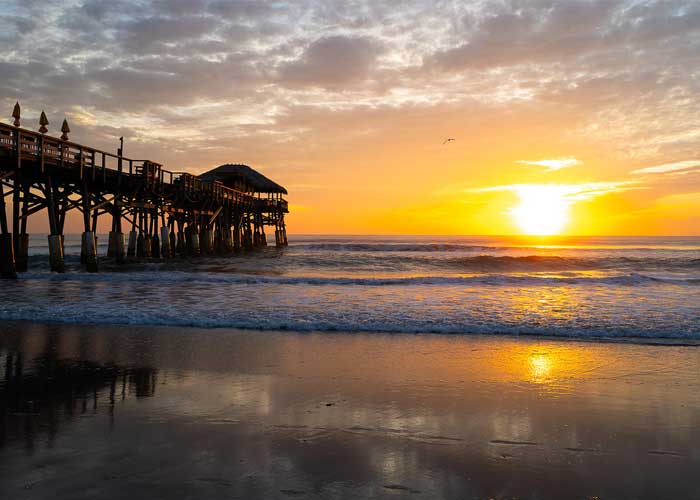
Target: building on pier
{"points": [[167, 213], [248, 180]]}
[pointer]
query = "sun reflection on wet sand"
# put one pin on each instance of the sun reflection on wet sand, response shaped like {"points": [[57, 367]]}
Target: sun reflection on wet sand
{"points": [[540, 367]]}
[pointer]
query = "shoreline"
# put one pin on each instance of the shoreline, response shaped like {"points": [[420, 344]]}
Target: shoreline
{"points": [[625, 340]]}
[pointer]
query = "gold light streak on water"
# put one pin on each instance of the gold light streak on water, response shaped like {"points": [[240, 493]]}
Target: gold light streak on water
{"points": [[540, 367]]}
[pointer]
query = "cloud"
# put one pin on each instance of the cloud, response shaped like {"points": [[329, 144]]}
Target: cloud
{"points": [[515, 32], [679, 167], [570, 192], [553, 164], [145, 34], [332, 62]]}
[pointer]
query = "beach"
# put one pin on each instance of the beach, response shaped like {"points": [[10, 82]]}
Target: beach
{"points": [[112, 411]]}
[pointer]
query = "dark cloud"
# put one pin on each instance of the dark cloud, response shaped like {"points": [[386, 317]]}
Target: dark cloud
{"points": [[240, 10], [99, 9], [566, 32], [528, 33], [141, 35], [332, 62]]}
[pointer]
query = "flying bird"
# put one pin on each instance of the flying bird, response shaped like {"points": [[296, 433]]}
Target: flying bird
{"points": [[448, 140]]}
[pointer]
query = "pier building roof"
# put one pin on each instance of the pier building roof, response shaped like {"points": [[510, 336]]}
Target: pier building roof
{"points": [[242, 177]]}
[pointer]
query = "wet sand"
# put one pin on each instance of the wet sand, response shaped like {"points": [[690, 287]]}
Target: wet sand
{"points": [[162, 412]]}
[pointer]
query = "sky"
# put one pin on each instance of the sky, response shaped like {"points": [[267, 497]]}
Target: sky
{"points": [[594, 105]]}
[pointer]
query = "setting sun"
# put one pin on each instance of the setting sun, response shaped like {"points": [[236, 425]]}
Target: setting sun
{"points": [[543, 210]]}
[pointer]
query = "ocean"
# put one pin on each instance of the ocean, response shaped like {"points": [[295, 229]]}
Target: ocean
{"points": [[586, 287]]}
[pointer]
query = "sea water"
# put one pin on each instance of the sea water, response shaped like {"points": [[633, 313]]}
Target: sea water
{"points": [[574, 287]]}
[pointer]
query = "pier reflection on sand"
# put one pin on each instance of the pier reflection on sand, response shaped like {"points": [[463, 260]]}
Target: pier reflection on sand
{"points": [[113, 412]]}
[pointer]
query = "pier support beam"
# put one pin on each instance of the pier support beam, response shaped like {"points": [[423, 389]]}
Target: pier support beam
{"points": [[7, 256], [131, 250], [21, 248], [207, 241], [256, 235], [147, 247], [88, 251], [237, 238], [247, 236], [173, 242], [140, 249], [181, 244], [193, 242], [283, 234], [155, 247], [56, 253], [226, 240], [210, 240], [116, 246], [165, 242]]}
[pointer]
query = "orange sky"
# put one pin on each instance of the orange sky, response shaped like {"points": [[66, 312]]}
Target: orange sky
{"points": [[348, 104]]}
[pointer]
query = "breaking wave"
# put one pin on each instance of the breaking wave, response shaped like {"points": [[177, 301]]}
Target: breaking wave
{"points": [[174, 277]]}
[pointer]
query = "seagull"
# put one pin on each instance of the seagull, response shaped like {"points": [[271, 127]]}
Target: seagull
{"points": [[448, 140]]}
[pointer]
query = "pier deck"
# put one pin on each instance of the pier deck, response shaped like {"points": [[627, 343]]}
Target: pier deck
{"points": [[168, 214]]}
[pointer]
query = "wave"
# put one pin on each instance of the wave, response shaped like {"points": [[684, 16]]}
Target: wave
{"points": [[462, 247], [554, 262], [347, 325], [375, 262], [485, 279], [393, 247], [498, 263]]}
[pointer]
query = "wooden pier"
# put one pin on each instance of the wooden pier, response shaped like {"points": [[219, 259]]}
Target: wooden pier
{"points": [[155, 213]]}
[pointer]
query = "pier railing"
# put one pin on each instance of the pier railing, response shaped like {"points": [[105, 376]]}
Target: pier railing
{"points": [[27, 145]]}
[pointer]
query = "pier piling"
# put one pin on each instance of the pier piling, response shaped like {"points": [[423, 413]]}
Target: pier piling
{"points": [[21, 249], [88, 251], [56, 262], [116, 246], [7, 257], [131, 250]]}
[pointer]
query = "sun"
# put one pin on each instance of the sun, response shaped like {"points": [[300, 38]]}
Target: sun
{"points": [[543, 210]]}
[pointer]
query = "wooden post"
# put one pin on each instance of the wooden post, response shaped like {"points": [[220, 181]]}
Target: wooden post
{"points": [[247, 234], [7, 256], [173, 237], [56, 261], [131, 250], [194, 248], [116, 245], [22, 239], [88, 247], [155, 240], [165, 250], [140, 250], [181, 240]]}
